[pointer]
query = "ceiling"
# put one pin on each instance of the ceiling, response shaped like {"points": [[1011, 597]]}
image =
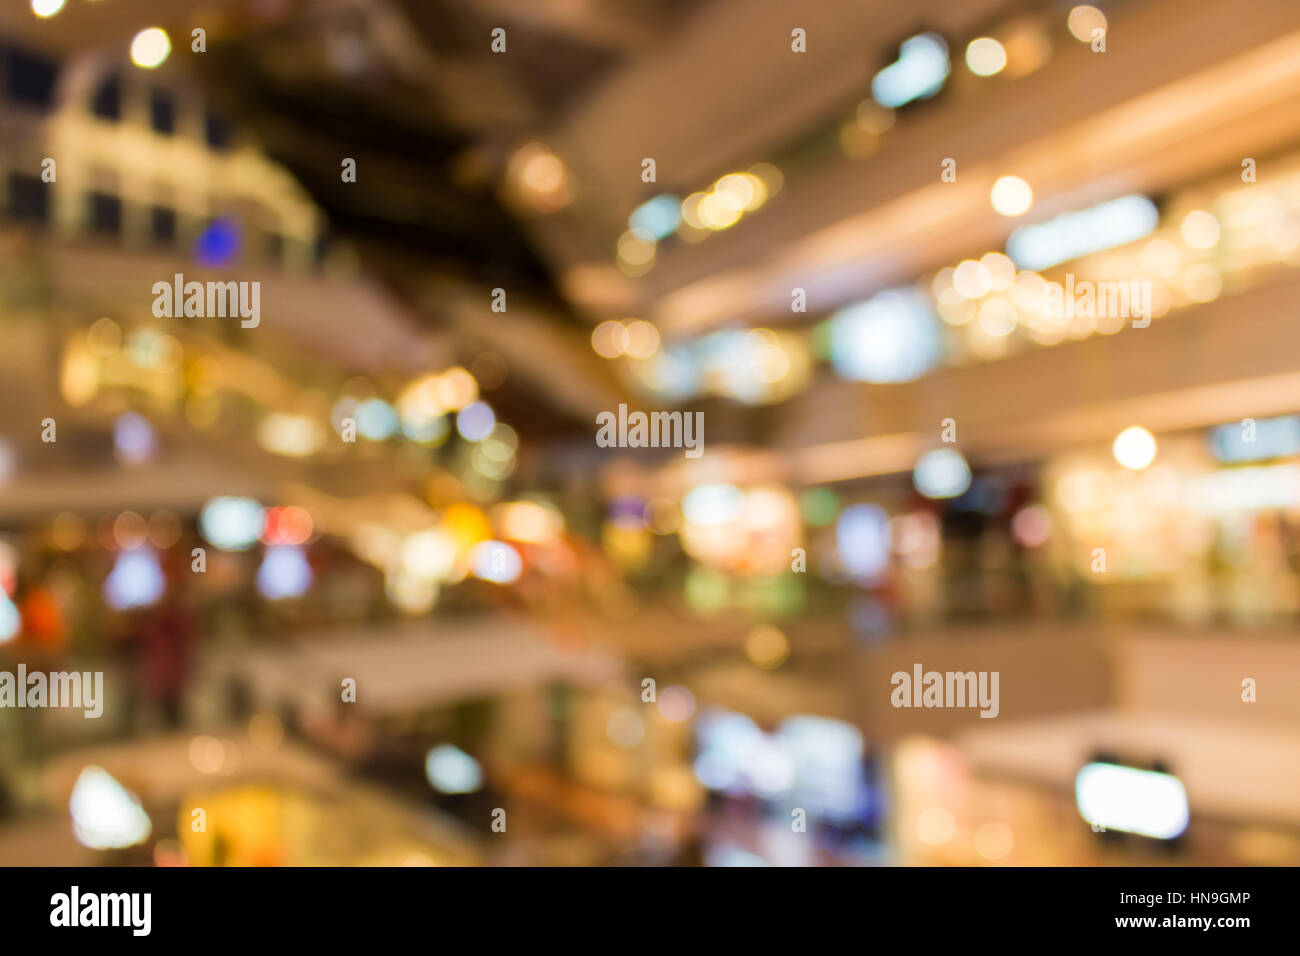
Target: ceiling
{"points": [[412, 90]]}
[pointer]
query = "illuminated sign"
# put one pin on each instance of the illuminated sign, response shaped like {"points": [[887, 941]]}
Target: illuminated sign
{"points": [[917, 74], [1074, 234], [1114, 797], [1251, 440]]}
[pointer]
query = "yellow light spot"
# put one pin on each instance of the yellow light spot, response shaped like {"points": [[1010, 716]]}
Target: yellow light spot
{"points": [[997, 318], [1002, 271], [1200, 229], [636, 252], [691, 210], [67, 531], [1160, 258], [1011, 196], [1134, 448], [541, 177], [456, 388], [985, 56], [150, 48], [1027, 46], [46, 8], [1083, 20], [935, 826], [769, 175], [972, 279], [739, 185], [767, 647], [874, 118], [1202, 283], [642, 339], [609, 339]]}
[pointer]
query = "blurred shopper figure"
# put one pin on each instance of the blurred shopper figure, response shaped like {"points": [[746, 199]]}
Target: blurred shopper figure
{"points": [[166, 639]]}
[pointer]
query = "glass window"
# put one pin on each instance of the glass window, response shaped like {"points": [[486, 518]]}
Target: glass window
{"points": [[216, 131], [28, 198], [162, 224], [105, 213], [107, 103], [162, 111], [30, 79]]}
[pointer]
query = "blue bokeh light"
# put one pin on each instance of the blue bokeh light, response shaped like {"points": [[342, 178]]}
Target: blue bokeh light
{"points": [[218, 244]]}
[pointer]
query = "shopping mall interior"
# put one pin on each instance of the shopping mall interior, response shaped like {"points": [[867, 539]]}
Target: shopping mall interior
{"points": [[649, 433]]}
